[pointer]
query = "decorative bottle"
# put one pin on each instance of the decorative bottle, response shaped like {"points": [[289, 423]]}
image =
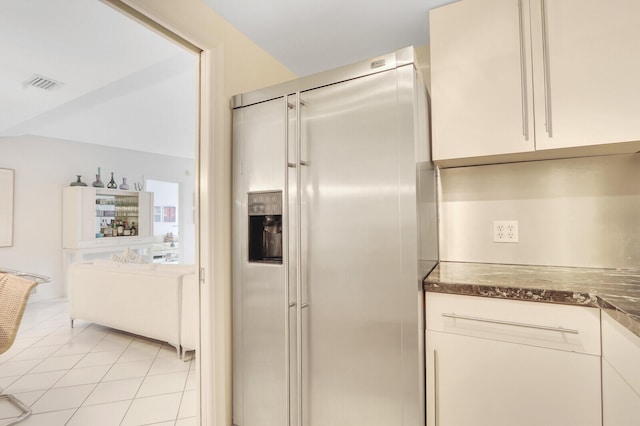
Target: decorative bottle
{"points": [[124, 185], [98, 183], [78, 181], [112, 183]]}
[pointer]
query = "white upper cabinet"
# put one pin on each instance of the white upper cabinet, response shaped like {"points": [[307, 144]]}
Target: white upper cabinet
{"points": [[529, 78], [586, 71], [482, 101]]}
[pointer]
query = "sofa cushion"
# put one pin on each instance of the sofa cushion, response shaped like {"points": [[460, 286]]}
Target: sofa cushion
{"points": [[177, 268], [108, 264]]}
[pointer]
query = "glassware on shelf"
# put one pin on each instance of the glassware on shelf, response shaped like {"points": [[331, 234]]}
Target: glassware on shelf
{"points": [[121, 213]]}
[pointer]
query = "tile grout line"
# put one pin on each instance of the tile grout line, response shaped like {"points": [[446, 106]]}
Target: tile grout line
{"points": [[184, 390], [67, 370], [53, 315], [105, 375], [45, 391], [141, 383], [31, 346], [41, 361]]}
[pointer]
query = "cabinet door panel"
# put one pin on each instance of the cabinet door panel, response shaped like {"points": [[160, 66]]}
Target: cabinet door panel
{"points": [[620, 404], [145, 214], [591, 67], [539, 323], [352, 339], [88, 222], [481, 90], [260, 391], [622, 349], [473, 382]]}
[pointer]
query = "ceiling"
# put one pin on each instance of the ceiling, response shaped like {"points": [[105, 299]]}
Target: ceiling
{"points": [[315, 35], [123, 85]]}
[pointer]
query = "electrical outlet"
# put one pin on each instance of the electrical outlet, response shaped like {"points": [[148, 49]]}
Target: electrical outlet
{"points": [[505, 231]]}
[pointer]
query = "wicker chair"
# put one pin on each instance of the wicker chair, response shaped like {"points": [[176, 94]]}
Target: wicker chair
{"points": [[14, 293]]}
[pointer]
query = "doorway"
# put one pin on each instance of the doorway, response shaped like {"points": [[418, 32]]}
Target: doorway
{"points": [[55, 139], [166, 221]]}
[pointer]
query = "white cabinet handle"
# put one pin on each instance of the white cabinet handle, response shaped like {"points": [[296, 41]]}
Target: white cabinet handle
{"points": [[523, 78], [545, 58], [514, 324], [436, 413]]}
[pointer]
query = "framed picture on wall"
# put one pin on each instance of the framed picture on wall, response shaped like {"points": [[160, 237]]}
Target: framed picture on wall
{"points": [[157, 214], [169, 214], [6, 207]]}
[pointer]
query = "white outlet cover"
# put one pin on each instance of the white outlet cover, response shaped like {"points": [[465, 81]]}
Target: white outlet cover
{"points": [[505, 231]]}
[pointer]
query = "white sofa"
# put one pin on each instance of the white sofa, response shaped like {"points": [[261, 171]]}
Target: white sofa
{"points": [[189, 330], [144, 299]]}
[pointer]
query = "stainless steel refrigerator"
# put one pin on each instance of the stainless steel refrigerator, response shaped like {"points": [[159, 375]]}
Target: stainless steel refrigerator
{"points": [[334, 226]]}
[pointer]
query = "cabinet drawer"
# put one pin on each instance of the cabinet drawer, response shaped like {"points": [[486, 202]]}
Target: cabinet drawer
{"points": [[104, 242], [563, 327], [622, 349], [128, 241]]}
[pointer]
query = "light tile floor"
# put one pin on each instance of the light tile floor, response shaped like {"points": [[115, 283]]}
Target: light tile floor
{"points": [[94, 375]]}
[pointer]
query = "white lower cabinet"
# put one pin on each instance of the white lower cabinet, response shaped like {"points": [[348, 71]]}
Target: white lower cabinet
{"points": [[620, 375], [620, 403], [503, 363]]}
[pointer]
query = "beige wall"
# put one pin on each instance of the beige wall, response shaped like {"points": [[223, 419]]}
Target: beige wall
{"points": [[45, 165], [423, 61], [246, 66], [572, 212]]}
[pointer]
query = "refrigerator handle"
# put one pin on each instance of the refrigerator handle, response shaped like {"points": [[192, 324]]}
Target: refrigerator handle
{"points": [[289, 243], [303, 152], [299, 265], [295, 239], [285, 250]]}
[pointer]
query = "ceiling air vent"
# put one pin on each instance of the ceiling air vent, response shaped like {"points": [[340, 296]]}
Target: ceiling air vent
{"points": [[43, 82]]}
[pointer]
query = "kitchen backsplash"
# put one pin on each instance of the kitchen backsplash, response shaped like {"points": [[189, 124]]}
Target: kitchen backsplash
{"points": [[582, 212]]}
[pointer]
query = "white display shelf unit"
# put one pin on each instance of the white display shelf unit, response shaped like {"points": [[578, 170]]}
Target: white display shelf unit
{"points": [[85, 211]]}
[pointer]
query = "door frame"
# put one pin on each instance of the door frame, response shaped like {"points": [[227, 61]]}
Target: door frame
{"points": [[213, 214]]}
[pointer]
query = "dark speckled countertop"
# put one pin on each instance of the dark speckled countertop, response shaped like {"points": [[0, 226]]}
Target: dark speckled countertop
{"points": [[616, 291]]}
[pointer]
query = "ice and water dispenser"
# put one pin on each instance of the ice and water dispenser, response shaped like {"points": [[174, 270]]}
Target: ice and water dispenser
{"points": [[265, 227]]}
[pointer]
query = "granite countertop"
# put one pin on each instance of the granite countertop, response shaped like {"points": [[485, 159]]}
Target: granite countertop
{"points": [[616, 291]]}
